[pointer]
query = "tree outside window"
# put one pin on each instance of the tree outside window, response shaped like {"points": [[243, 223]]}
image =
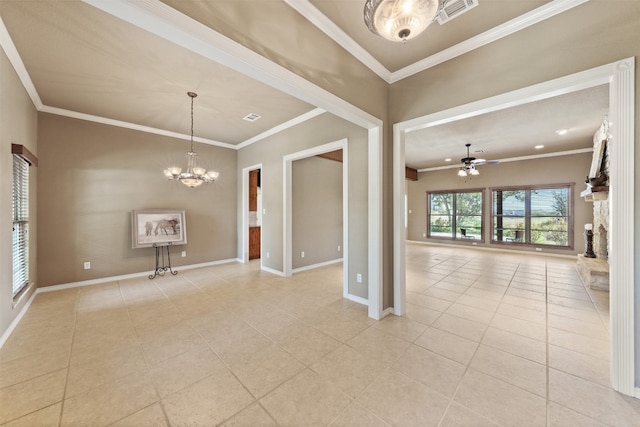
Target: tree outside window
{"points": [[532, 215], [455, 214]]}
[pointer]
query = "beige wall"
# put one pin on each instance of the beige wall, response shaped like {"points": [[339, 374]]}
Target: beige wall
{"points": [[553, 170], [269, 152], [316, 211], [92, 176], [18, 125]]}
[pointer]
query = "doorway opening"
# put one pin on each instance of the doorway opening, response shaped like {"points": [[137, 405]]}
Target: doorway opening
{"points": [[255, 214], [342, 246], [252, 211]]}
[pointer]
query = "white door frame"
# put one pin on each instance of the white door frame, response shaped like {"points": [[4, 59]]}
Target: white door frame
{"points": [[620, 77], [287, 217]]}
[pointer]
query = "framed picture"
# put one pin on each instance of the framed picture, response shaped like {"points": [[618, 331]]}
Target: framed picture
{"points": [[158, 227]]}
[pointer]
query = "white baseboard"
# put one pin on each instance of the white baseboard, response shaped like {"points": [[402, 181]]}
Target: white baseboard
{"points": [[5, 336], [272, 271], [484, 248], [7, 333], [357, 299], [312, 266], [387, 311], [637, 392], [128, 276]]}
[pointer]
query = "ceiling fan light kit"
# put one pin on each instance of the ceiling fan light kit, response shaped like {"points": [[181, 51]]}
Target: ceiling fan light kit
{"points": [[400, 20], [469, 164], [194, 176]]}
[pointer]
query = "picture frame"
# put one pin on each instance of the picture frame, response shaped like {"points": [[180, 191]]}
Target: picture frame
{"points": [[158, 227]]}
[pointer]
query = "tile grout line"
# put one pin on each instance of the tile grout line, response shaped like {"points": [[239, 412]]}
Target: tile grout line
{"points": [[73, 336], [161, 400], [468, 366], [228, 367], [144, 356], [546, 329]]}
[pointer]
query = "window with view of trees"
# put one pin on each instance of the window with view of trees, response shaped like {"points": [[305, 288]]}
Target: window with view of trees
{"points": [[455, 214], [533, 215]]}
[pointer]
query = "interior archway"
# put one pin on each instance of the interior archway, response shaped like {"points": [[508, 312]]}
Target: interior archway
{"points": [[620, 77]]}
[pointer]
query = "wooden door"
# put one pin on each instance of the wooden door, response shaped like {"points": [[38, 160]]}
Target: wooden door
{"points": [[254, 242]]}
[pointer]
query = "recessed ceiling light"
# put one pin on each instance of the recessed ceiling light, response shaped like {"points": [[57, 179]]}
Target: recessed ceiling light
{"points": [[447, 160], [251, 117], [537, 147], [562, 131]]}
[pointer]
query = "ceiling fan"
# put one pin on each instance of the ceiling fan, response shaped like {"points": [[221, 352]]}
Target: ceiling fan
{"points": [[469, 164]]}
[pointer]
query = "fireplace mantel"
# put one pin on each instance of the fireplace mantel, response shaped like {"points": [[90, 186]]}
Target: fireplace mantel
{"points": [[591, 194]]}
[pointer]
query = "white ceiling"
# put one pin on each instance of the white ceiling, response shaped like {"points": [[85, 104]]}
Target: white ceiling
{"points": [[514, 132], [82, 61]]}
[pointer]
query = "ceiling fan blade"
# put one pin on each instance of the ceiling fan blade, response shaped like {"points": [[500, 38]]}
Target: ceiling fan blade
{"points": [[486, 162]]}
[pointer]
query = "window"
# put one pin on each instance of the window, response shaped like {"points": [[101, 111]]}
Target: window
{"points": [[22, 159], [455, 214], [533, 215]]}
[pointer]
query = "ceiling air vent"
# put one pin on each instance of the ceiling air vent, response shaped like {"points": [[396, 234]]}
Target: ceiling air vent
{"points": [[455, 8], [251, 117]]}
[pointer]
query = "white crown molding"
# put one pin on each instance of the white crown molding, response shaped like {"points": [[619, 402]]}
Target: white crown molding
{"points": [[549, 89], [166, 22], [543, 12], [16, 61], [517, 159], [286, 125], [148, 129], [327, 26], [18, 65], [133, 126], [317, 18]]}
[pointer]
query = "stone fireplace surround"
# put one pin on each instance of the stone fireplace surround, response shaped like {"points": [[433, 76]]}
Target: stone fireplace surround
{"points": [[595, 271]]}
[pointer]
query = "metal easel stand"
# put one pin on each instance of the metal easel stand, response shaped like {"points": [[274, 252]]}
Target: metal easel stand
{"points": [[161, 267]]}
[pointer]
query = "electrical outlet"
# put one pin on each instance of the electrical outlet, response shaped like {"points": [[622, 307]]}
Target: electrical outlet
{"points": [[302, 254], [424, 234], [87, 265], [268, 255], [339, 248], [538, 249], [184, 254], [359, 278], [475, 243]]}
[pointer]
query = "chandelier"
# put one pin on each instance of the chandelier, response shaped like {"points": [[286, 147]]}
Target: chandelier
{"points": [[400, 20], [194, 175]]}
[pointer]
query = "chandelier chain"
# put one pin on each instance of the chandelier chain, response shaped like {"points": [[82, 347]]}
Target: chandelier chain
{"points": [[192, 95]]}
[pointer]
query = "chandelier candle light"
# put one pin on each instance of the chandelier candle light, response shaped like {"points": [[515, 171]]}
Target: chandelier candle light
{"points": [[400, 20], [194, 175]]}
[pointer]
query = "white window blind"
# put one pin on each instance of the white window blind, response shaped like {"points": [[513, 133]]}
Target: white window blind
{"points": [[20, 223]]}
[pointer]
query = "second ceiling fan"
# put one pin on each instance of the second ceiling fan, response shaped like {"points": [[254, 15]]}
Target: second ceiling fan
{"points": [[469, 163]]}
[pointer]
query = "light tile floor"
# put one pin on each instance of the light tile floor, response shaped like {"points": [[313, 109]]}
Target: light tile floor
{"points": [[489, 339]]}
